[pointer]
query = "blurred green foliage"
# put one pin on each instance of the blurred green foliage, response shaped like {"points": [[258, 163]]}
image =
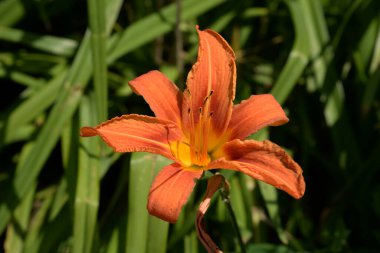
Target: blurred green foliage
{"points": [[65, 64]]}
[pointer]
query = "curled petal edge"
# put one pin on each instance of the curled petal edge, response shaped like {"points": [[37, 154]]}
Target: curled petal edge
{"points": [[213, 184]]}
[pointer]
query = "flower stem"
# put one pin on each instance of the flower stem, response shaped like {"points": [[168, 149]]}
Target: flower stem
{"points": [[224, 192]]}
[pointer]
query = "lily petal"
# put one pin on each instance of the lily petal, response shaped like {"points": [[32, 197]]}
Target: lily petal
{"points": [[212, 78], [161, 94], [134, 133], [264, 161], [213, 184], [253, 114], [170, 190]]}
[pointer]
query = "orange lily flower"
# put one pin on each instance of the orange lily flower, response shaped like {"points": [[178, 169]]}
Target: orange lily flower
{"points": [[201, 130]]}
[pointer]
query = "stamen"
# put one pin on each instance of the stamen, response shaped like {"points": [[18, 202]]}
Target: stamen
{"points": [[207, 97], [188, 92], [204, 125], [192, 135], [177, 143], [199, 143], [199, 129], [205, 138]]}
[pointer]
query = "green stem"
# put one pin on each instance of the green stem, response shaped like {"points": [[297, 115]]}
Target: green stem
{"points": [[224, 192], [179, 42], [97, 20]]}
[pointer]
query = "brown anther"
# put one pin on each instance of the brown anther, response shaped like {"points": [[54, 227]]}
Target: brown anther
{"points": [[207, 97]]}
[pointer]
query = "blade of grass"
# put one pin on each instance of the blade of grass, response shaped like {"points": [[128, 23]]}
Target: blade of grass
{"points": [[374, 69], [115, 243], [70, 147], [45, 43], [157, 235], [298, 57], [157, 229], [113, 228], [142, 171], [157, 24], [63, 110], [33, 240], [87, 189], [343, 24], [56, 232], [270, 195], [375, 62], [96, 16], [237, 203], [60, 199], [241, 216], [40, 101], [191, 243], [371, 90], [294, 67], [141, 175], [20, 77], [17, 229], [11, 11]]}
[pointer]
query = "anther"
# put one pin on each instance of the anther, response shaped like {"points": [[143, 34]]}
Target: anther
{"points": [[207, 97]]}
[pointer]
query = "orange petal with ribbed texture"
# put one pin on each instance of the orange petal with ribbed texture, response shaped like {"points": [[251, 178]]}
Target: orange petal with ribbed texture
{"points": [[253, 114], [211, 81], [264, 161], [161, 94], [134, 133], [170, 190]]}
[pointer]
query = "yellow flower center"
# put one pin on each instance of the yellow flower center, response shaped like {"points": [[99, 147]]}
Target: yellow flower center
{"points": [[188, 157]]}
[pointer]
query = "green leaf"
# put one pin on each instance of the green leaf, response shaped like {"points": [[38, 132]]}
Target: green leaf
{"points": [[46, 43], [87, 189], [142, 228], [157, 24]]}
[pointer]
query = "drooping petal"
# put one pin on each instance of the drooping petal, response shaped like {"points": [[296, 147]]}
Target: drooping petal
{"points": [[170, 190], [211, 83], [253, 114], [134, 133], [264, 161], [213, 184], [161, 94]]}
